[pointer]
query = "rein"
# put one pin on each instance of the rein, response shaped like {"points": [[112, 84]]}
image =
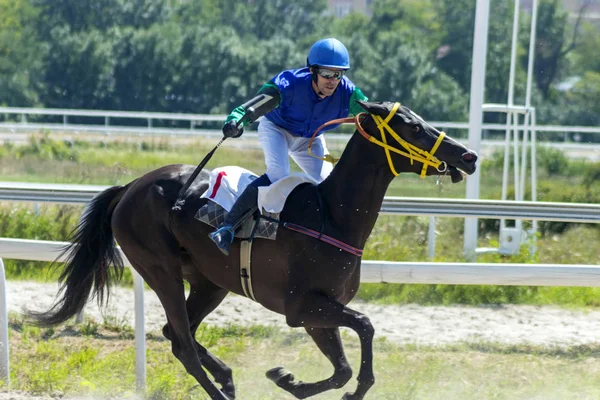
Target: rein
{"points": [[412, 152]]}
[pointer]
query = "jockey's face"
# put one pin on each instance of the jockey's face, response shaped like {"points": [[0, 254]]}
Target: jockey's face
{"points": [[328, 80]]}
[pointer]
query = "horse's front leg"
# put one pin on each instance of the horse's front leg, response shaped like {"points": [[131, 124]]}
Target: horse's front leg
{"points": [[329, 342], [319, 311]]}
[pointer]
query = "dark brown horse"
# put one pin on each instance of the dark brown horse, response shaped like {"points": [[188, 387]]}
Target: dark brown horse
{"points": [[306, 279]]}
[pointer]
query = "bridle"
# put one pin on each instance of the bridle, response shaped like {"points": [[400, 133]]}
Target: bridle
{"points": [[412, 152]]}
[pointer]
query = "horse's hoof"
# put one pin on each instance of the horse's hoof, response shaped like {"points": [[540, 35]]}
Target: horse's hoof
{"points": [[349, 396], [280, 376], [228, 391]]}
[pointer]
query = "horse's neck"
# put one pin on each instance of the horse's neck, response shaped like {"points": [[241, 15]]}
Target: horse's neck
{"points": [[354, 191]]}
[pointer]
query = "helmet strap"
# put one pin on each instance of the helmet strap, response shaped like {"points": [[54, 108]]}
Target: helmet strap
{"points": [[315, 76]]}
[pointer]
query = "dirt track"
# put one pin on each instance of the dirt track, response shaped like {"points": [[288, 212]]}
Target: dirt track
{"points": [[400, 324]]}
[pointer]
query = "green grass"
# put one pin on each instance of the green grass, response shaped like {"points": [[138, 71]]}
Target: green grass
{"points": [[71, 361]]}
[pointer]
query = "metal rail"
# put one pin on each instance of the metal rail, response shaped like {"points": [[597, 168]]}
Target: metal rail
{"points": [[192, 118], [461, 208], [493, 209]]}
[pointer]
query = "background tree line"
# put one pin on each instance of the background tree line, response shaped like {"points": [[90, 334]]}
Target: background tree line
{"points": [[208, 56]]}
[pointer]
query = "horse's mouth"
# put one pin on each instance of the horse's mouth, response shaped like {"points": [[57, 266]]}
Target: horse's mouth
{"points": [[468, 167], [456, 174]]}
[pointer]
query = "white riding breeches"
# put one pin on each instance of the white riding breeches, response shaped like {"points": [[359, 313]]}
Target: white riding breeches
{"points": [[278, 145]]}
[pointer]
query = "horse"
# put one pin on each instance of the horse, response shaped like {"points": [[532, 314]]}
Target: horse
{"points": [[306, 278]]}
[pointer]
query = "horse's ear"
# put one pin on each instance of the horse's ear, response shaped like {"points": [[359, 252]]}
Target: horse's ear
{"points": [[375, 108], [367, 106]]}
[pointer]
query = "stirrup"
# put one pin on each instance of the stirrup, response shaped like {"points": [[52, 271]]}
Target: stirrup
{"points": [[223, 237]]}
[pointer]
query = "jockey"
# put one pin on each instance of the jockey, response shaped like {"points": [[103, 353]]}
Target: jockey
{"points": [[294, 104]]}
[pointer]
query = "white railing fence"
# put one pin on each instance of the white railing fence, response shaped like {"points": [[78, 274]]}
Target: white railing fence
{"points": [[371, 271]]}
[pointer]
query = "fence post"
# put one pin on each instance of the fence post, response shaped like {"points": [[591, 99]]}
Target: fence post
{"points": [[140, 332], [4, 345]]}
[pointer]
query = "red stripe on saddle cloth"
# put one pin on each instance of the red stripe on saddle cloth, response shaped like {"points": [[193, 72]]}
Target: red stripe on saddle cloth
{"points": [[217, 184]]}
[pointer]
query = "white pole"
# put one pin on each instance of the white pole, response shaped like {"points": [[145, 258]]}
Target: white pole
{"points": [[527, 121], [513, 55], [516, 158], [533, 176], [511, 95], [4, 345], [530, 61], [530, 66], [140, 333], [480, 36], [431, 238]]}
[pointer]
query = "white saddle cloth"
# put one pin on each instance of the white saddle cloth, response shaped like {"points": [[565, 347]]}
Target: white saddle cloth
{"points": [[226, 184], [272, 198]]}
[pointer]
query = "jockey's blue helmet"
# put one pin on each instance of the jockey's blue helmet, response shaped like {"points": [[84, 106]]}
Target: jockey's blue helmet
{"points": [[328, 53]]}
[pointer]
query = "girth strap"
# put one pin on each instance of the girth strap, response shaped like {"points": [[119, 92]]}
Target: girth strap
{"points": [[246, 268], [327, 239]]}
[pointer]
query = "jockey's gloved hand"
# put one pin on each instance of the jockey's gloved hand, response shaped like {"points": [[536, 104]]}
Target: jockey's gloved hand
{"points": [[231, 130]]}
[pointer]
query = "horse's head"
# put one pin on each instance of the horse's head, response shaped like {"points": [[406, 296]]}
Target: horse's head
{"points": [[422, 148]]}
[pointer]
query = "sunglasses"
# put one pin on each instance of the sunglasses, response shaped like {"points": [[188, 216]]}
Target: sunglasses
{"points": [[329, 74]]}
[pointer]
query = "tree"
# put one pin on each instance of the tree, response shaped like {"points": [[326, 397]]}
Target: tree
{"points": [[455, 52], [555, 39], [86, 15], [78, 70], [20, 54], [411, 19], [77, 15], [148, 68], [586, 56]]}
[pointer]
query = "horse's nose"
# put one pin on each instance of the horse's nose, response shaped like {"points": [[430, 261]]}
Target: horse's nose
{"points": [[469, 158]]}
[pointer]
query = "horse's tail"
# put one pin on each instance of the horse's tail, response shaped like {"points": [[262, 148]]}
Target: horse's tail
{"points": [[87, 259]]}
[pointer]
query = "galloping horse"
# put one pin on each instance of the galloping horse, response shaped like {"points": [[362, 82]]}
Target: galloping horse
{"points": [[306, 278]]}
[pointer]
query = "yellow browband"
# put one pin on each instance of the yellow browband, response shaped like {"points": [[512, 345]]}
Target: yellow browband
{"points": [[413, 152]]}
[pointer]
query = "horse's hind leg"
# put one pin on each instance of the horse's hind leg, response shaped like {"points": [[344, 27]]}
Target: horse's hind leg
{"points": [[171, 294], [329, 342], [204, 297]]}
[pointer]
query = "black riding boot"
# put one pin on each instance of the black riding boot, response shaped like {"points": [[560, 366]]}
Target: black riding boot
{"points": [[244, 205]]}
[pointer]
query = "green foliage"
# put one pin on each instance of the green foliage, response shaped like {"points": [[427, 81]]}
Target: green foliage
{"points": [[586, 91], [48, 223], [588, 44], [89, 328], [591, 175], [209, 56], [446, 294], [45, 148], [553, 160], [87, 15], [552, 43], [79, 69], [20, 54]]}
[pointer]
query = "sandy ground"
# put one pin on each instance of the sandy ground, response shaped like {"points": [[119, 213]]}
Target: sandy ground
{"points": [[404, 324], [400, 324]]}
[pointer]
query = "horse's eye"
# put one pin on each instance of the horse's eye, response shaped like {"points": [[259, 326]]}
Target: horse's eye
{"points": [[416, 128]]}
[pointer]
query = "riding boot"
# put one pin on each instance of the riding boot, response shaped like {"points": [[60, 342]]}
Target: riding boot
{"points": [[245, 205]]}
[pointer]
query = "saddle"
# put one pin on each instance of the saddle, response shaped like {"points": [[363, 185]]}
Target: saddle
{"points": [[225, 186], [253, 226]]}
